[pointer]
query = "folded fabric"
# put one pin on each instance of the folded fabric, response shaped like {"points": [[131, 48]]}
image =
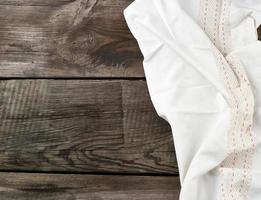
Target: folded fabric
{"points": [[202, 62]]}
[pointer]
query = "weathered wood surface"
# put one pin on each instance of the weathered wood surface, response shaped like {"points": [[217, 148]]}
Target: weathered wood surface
{"points": [[20, 186], [78, 126], [84, 126], [67, 38]]}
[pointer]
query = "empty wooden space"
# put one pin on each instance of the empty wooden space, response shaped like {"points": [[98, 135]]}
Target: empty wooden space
{"points": [[67, 38], [82, 126], [73, 187], [76, 119]]}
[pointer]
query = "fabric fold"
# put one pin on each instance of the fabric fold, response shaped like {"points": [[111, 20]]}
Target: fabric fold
{"points": [[201, 62]]}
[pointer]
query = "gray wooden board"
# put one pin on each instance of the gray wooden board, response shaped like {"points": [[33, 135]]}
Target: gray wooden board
{"points": [[107, 126], [23, 186], [67, 38]]}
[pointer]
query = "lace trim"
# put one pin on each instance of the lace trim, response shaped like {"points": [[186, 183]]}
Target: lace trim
{"points": [[235, 170]]}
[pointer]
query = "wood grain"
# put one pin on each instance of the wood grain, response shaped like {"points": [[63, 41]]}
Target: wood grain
{"points": [[22, 186], [82, 126], [67, 38]]}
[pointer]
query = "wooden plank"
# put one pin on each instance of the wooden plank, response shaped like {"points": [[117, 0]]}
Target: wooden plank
{"points": [[67, 38], [22, 186], [83, 126]]}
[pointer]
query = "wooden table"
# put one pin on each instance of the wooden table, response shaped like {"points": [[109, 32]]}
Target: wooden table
{"points": [[76, 120]]}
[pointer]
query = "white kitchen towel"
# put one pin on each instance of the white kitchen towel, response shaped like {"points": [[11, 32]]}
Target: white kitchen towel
{"points": [[202, 62]]}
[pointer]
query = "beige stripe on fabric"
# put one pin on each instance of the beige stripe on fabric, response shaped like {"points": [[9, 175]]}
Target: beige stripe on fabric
{"points": [[235, 170]]}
